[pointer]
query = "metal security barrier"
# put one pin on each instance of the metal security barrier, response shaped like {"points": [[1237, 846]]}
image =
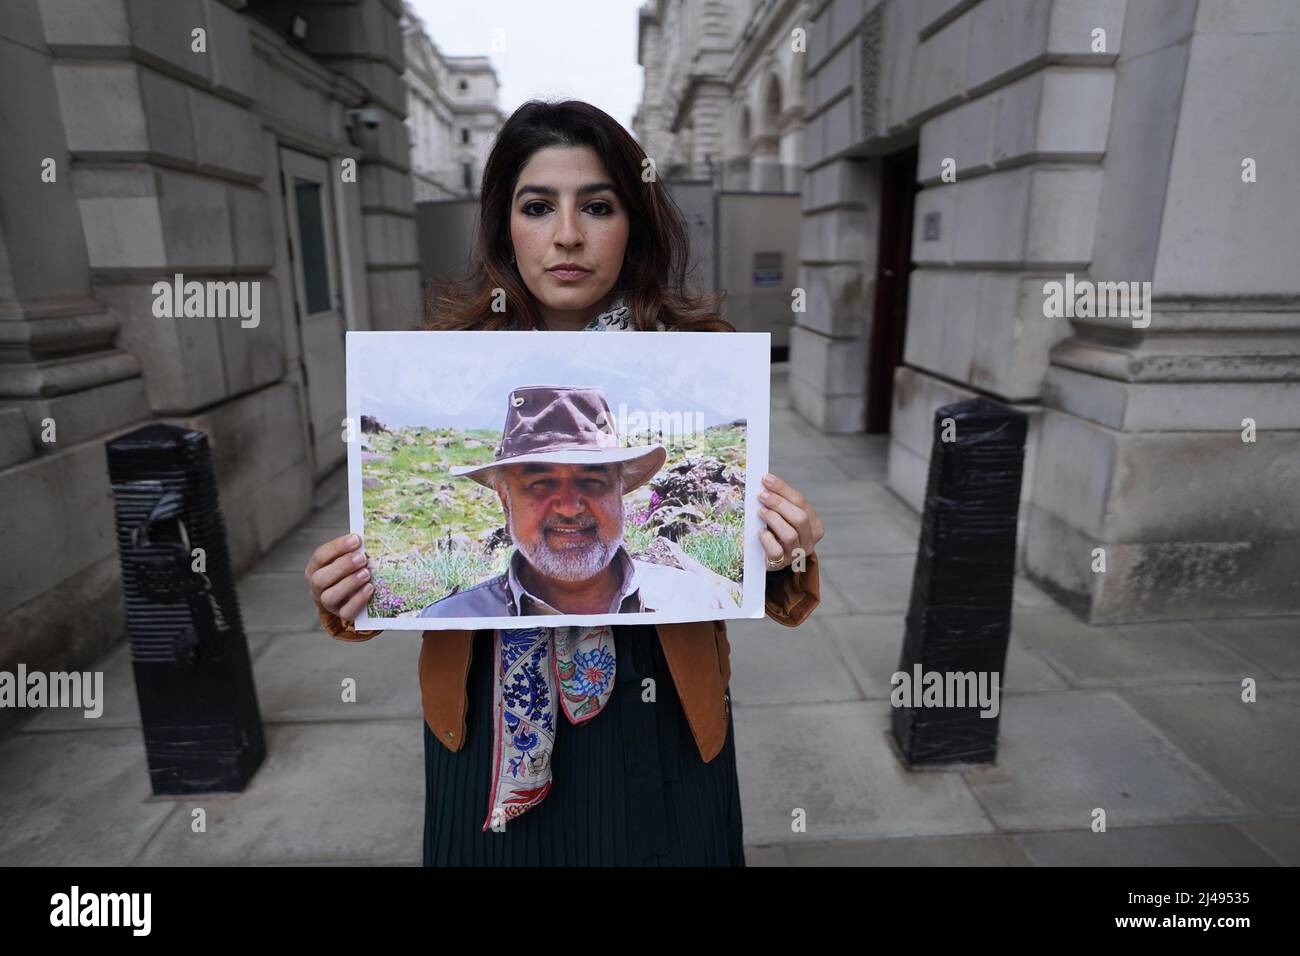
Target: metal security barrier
{"points": [[959, 618], [193, 674]]}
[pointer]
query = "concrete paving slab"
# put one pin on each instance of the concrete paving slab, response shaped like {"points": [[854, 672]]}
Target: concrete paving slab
{"points": [[1063, 754], [782, 436], [1253, 748], [864, 466], [351, 863], [834, 762], [863, 535], [1028, 673], [294, 551], [327, 523], [981, 850], [300, 677], [1205, 844], [853, 468], [1271, 642], [75, 798], [258, 641], [121, 705], [765, 856], [857, 443], [1027, 594], [1280, 839], [805, 471], [870, 645], [786, 423], [840, 496], [276, 601], [1129, 654], [775, 664], [832, 602], [121, 702], [332, 488], [791, 444], [334, 791], [871, 585], [873, 643]]}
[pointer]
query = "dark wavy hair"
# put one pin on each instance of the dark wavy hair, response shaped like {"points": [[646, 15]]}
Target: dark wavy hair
{"points": [[654, 274]]}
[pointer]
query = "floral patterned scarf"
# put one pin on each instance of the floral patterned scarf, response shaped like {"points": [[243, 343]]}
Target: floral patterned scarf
{"points": [[542, 670]]}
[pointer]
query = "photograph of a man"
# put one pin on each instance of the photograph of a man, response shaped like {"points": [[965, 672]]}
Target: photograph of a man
{"points": [[561, 478]]}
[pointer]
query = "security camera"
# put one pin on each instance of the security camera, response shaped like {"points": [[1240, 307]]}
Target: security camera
{"points": [[368, 115]]}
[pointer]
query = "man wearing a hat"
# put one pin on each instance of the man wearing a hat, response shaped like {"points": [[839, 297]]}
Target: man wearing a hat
{"points": [[561, 478]]}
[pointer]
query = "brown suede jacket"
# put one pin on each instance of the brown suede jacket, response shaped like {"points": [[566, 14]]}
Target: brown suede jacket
{"points": [[698, 656]]}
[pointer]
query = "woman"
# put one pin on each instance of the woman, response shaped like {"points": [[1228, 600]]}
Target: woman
{"points": [[576, 233]]}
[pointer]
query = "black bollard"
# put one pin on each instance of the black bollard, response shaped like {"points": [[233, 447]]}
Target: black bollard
{"points": [[193, 674], [959, 618]]}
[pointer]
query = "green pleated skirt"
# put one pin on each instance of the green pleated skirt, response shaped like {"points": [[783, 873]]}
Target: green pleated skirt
{"points": [[628, 786]]}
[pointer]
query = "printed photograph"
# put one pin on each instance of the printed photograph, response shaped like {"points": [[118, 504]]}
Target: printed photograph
{"points": [[495, 476]]}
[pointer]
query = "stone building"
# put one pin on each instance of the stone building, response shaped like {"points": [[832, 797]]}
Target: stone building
{"points": [[723, 91], [962, 156], [258, 143], [722, 115], [452, 115]]}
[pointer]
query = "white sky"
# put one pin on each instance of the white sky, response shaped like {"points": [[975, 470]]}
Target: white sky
{"points": [[463, 379], [580, 49]]}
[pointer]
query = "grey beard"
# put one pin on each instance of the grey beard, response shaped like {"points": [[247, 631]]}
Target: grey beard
{"points": [[566, 567]]}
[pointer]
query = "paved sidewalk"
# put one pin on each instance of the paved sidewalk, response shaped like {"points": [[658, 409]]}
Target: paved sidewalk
{"points": [[1144, 721]]}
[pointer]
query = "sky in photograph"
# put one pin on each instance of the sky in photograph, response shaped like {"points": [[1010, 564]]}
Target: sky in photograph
{"points": [[446, 379], [581, 49]]}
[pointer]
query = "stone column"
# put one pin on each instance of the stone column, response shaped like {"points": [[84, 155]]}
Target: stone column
{"points": [[1146, 461], [58, 362], [710, 101]]}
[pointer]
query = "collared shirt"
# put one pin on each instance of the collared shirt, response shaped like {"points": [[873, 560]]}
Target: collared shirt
{"points": [[522, 601], [645, 587]]}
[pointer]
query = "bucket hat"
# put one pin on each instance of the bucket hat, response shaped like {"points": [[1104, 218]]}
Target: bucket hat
{"points": [[570, 425]]}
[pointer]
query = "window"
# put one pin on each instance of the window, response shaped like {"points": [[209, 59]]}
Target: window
{"points": [[464, 136], [467, 170], [311, 232], [464, 85]]}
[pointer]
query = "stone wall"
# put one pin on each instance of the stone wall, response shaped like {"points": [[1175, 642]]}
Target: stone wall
{"points": [[1144, 427], [168, 161], [1114, 159]]}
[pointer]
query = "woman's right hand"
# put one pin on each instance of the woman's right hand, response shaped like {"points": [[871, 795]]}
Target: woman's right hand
{"points": [[339, 575]]}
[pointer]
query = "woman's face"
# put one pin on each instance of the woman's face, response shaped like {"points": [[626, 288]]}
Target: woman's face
{"points": [[565, 211]]}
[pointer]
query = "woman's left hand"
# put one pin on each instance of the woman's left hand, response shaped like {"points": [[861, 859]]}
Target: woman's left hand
{"points": [[793, 528]]}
